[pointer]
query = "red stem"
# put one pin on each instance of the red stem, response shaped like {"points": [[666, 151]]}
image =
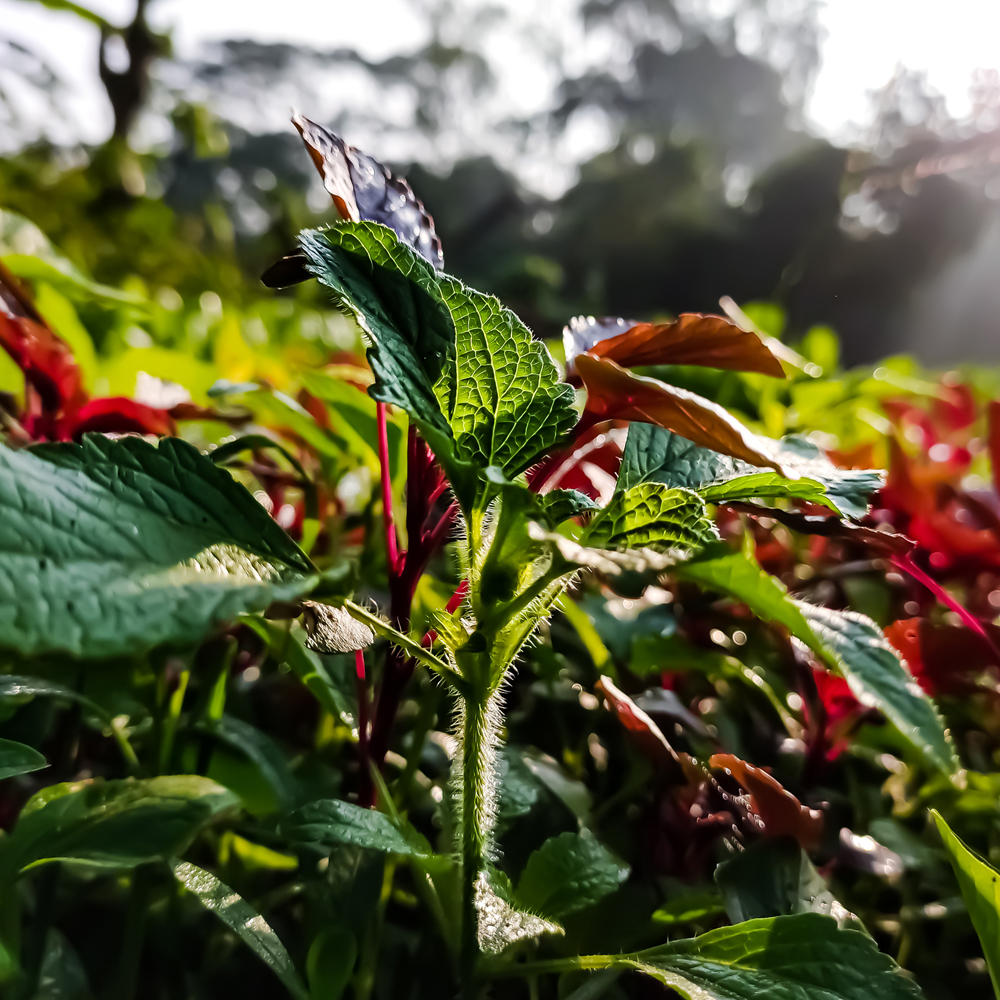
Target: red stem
{"points": [[907, 565], [383, 461], [362, 689]]}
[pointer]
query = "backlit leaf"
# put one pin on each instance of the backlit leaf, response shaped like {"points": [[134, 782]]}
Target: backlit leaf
{"points": [[801, 957], [510, 404], [614, 393], [980, 885], [652, 516], [780, 812], [691, 339], [115, 546], [655, 454], [240, 917]]}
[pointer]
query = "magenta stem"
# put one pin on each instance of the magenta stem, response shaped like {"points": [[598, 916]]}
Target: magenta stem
{"points": [[907, 564], [362, 689], [383, 461]]}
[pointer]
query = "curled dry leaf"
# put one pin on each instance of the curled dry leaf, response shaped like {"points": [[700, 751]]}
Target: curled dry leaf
{"points": [[614, 393], [333, 630], [691, 339], [780, 813], [363, 190]]}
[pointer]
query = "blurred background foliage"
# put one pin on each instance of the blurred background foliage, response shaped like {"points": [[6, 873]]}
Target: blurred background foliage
{"points": [[710, 183]]}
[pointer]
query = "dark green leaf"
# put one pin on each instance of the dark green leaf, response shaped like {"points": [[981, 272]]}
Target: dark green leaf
{"points": [[115, 546], [331, 821], [114, 823], [568, 873], [980, 885], [654, 454], [394, 294], [560, 505], [801, 957], [336, 693], [16, 758], [652, 516], [237, 914], [876, 677], [265, 754]]}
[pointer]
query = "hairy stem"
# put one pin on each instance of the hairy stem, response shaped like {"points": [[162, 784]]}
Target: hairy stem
{"points": [[477, 780]]}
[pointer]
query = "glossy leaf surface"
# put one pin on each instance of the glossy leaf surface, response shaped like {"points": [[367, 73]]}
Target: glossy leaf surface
{"points": [[333, 821]]}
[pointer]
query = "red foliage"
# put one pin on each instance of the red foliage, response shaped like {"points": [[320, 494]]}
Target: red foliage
{"points": [[778, 812], [57, 407]]}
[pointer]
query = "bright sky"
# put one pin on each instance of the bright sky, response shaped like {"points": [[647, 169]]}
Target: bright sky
{"points": [[864, 41]]}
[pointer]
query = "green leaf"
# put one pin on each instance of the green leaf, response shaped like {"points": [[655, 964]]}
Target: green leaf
{"points": [[332, 957], [560, 505], [652, 516], [394, 294], [878, 679], [287, 646], [845, 641], [65, 276], [241, 918], [653, 454], [263, 752], [113, 823], [800, 957], [332, 821], [978, 880], [568, 873], [16, 758], [15, 687], [768, 485], [690, 907], [115, 546], [509, 404], [481, 389]]}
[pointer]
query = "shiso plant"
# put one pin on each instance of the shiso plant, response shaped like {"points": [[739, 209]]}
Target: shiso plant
{"points": [[147, 560]]}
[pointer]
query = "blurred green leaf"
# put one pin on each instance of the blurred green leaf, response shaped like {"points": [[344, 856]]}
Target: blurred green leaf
{"points": [[113, 823], [978, 880], [331, 962], [16, 758]]}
